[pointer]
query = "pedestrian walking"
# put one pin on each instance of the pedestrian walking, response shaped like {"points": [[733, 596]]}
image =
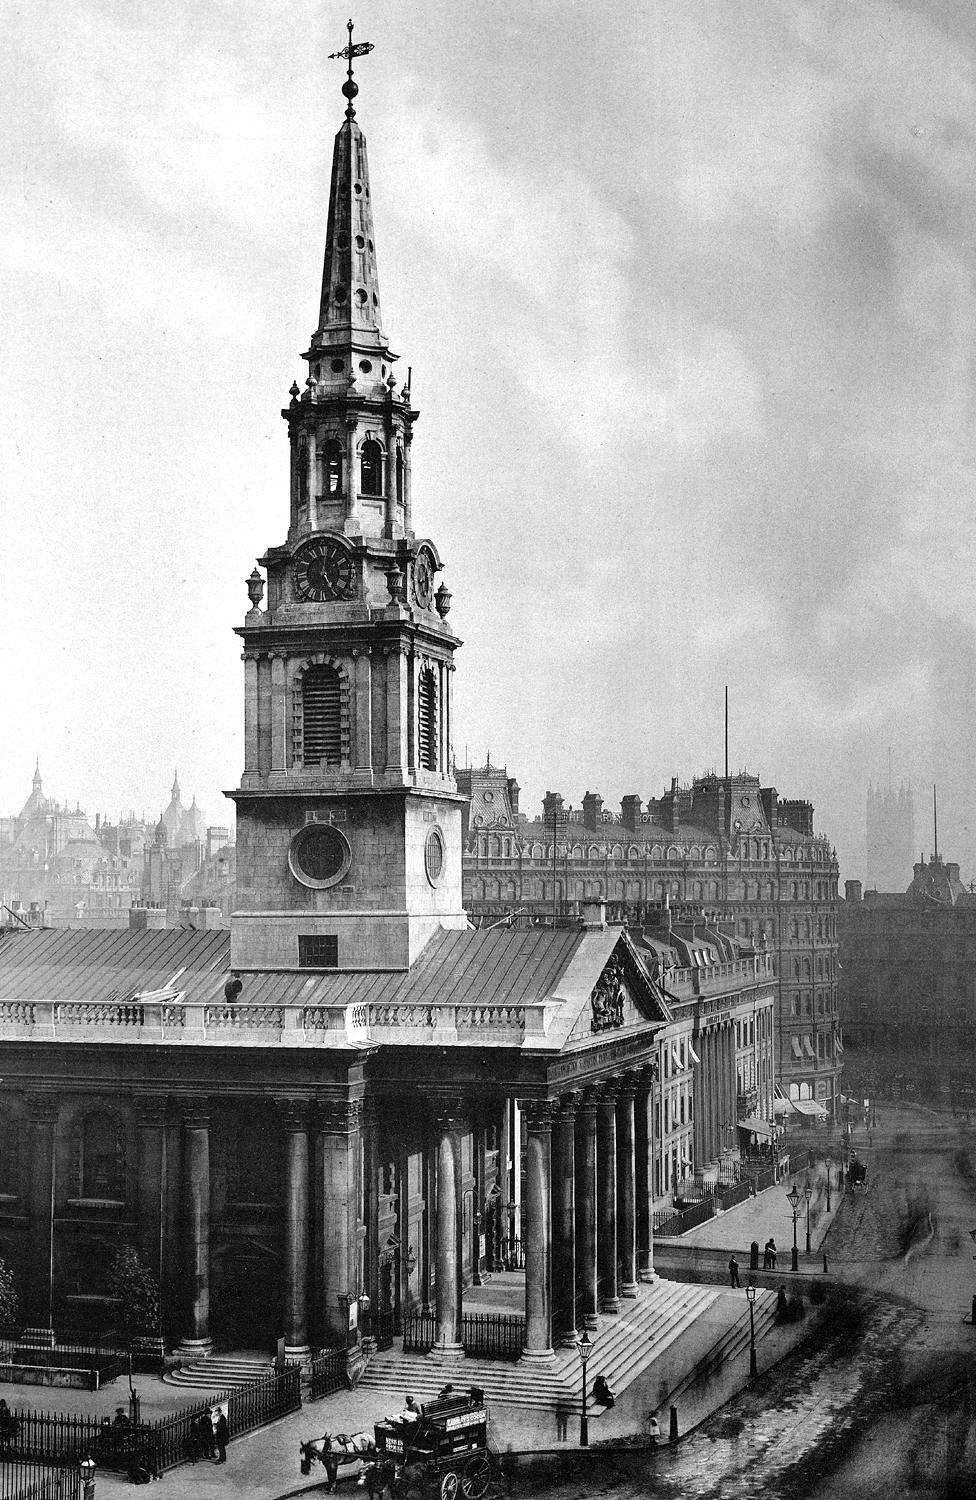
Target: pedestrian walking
{"points": [[221, 1434], [771, 1252], [733, 1271], [654, 1428]]}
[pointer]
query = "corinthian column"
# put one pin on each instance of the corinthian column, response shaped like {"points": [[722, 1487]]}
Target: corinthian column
{"points": [[537, 1231], [564, 1221], [606, 1177]]}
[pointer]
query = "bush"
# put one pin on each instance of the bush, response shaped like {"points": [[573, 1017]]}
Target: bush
{"points": [[136, 1289], [9, 1300]]}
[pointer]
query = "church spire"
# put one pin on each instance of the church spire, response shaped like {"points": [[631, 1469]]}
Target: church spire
{"points": [[349, 307]]}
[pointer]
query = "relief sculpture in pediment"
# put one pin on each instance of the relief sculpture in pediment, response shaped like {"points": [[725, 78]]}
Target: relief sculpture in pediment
{"points": [[607, 999]]}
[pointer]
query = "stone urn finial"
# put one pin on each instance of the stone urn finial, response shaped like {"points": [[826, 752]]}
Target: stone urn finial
{"points": [[442, 599], [255, 589], [394, 582]]}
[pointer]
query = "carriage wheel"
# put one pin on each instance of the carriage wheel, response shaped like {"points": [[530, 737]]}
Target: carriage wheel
{"points": [[476, 1477], [449, 1485]]}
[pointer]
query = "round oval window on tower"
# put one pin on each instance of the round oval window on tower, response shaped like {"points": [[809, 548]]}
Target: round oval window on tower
{"points": [[434, 855], [319, 855]]}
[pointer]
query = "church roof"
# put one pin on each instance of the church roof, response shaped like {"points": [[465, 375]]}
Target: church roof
{"points": [[498, 988]]}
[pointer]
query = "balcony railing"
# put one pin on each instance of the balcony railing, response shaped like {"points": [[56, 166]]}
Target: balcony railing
{"points": [[175, 1019]]}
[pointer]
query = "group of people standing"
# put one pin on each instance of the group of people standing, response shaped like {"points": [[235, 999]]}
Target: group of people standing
{"points": [[209, 1435]]}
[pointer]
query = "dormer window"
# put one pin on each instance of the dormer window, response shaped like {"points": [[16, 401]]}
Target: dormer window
{"points": [[371, 477]]}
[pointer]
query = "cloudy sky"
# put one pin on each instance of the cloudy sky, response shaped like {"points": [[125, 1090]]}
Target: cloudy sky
{"points": [[687, 288]]}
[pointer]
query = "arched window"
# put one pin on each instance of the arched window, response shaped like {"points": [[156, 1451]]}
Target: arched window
{"points": [[371, 478], [302, 462], [333, 467], [427, 719], [102, 1168], [321, 717], [399, 475]]}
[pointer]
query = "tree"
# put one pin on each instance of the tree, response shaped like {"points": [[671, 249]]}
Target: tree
{"points": [[9, 1300], [137, 1292]]}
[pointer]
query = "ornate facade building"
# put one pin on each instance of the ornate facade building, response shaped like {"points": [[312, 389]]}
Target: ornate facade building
{"points": [[748, 858], [908, 992], [356, 1095]]}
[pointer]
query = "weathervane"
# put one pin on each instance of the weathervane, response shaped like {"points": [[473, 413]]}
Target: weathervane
{"points": [[355, 49]]}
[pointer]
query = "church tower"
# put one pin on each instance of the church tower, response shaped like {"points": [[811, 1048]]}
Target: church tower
{"points": [[348, 815]]}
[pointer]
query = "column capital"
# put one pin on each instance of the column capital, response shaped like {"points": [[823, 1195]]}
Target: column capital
{"points": [[151, 1109], [539, 1114], [610, 1091], [194, 1112], [339, 1116], [586, 1107], [449, 1114], [43, 1109], [294, 1113], [569, 1106]]}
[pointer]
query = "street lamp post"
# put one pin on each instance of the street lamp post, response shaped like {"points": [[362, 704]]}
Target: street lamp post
{"points": [[808, 1194], [86, 1470], [793, 1199], [584, 1348], [751, 1298], [828, 1164]]}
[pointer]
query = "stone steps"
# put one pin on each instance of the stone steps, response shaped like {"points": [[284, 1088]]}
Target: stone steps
{"points": [[733, 1341], [624, 1345], [221, 1372]]}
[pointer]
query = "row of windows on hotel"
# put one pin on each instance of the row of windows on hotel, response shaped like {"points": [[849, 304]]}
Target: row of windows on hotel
{"points": [[322, 717], [487, 889], [500, 846], [801, 1002], [333, 459]]}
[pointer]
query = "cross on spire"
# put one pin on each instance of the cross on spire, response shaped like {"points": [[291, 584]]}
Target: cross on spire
{"points": [[354, 49]]}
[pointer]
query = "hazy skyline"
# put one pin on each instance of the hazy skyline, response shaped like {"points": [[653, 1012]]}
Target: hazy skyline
{"points": [[687, 291]]}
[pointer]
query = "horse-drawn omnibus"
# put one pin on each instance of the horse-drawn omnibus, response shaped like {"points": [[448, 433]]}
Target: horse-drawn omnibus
{"points": [[447, 1442]]}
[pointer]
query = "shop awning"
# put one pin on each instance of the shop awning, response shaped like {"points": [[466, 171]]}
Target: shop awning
{"points": [[693, 1054], [676, 1059], [754, 1126], [781, 1105], [809, 1107], [808, 1047], [797, 1049]]}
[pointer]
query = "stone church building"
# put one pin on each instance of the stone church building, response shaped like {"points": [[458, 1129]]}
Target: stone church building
{"points": [[338, 1104]]}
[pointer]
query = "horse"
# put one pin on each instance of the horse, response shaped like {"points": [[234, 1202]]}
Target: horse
{"points": [[857, 1174], [343, 1448]]}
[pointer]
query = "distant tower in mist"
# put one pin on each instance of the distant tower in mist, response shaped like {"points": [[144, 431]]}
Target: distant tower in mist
{"points": [[890, 837]]}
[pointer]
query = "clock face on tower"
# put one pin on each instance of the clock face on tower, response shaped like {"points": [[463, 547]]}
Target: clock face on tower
{"points": [[323, 571]]}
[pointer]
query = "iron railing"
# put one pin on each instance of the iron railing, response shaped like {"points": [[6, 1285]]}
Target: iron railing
{"points": [[57, 1437], [681, 1220], [493, 1335], [380, 1323], [327, 1374], [32, 1479], [248, 1407], [736, 1192], [419, 1332]]}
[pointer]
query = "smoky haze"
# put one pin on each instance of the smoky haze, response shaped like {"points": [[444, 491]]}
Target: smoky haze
{"points": [[687, 290]]}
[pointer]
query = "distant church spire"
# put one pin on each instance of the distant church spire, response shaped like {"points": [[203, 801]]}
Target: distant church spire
{"points": [[37, 774], [176, 785]]}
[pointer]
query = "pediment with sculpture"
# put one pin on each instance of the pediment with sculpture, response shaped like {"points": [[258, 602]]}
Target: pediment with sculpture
{"points": [[623, 996]]}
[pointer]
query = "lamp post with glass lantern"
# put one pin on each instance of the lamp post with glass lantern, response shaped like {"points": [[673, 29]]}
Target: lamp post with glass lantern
{"points": [[793, 1199], [584, 1348], [808, 1194], [86, 1471], [751, 1298], [828, 1164]]}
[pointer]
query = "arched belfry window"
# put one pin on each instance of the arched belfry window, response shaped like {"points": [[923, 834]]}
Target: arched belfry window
{"points": [[399, 475], [371, 478], [302, 462], [322, 716], [333, 467], [427, 719]]}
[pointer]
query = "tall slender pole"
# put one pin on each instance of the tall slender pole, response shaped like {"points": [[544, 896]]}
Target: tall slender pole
{"points": [[726, 732], [935, 818], [796, 1251], [753, 1368], [554, 867]]}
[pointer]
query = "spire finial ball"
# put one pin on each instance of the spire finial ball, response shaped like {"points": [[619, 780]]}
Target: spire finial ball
{"points": [[350, 88]]}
